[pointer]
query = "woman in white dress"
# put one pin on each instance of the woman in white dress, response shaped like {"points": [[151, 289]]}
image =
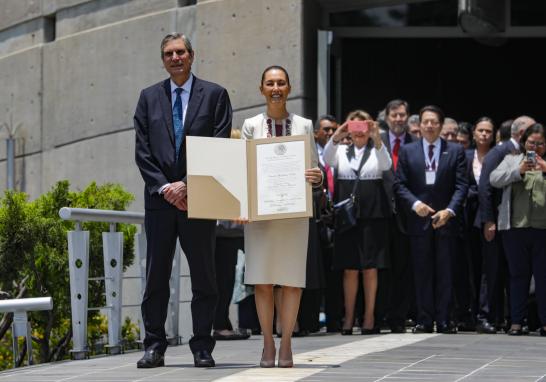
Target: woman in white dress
{"points": [[276, 250]]}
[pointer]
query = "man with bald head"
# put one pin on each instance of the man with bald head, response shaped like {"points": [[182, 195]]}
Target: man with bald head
{"points": [[495, 268]]}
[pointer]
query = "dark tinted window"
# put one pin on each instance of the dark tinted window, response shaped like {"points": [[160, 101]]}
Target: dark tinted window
{"points": [[528, 13], [430, 13]]}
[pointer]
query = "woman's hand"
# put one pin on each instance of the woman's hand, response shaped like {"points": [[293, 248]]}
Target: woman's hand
{"points": [[241, 220], [525, 166], [541, 164], [375, 134], [313, 175], [340, 133]]}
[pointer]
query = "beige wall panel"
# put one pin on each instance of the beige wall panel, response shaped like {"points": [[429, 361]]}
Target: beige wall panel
{"points": [[92, 80], [21, 97], [17, 11], [109, 158], [102, 12], [235, 43]]}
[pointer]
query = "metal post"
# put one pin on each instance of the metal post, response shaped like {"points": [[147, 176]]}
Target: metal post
{"points": [[112, 243], [140, 249], [174, 302], [324, 39], [21, 328], [10, 159], [78, 257]]}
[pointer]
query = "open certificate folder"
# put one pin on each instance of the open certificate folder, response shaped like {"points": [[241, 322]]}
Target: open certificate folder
{"points": [[259, 179]]}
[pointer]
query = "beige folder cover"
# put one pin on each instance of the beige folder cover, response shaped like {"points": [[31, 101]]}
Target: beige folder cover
{"points": [[222, 178]]}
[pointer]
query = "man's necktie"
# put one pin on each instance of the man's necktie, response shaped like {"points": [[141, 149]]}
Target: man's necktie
{"points": [[278, 130], [395, 153], [178, 123], [431, 158]]}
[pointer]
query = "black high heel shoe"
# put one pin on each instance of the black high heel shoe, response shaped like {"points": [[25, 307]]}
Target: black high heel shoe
{"points": [[346, 332]]}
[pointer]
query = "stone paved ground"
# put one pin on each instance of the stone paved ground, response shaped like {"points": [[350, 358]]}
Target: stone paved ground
{"points": [[322, 357]]}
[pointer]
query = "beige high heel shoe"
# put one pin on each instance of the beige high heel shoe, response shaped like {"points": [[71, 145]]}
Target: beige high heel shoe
{"points": [[285, 362], [268, 362]]}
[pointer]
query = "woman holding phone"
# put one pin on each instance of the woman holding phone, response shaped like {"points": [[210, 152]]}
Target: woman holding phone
{"points": [[522, 218], [363, 248], [276, 250]]}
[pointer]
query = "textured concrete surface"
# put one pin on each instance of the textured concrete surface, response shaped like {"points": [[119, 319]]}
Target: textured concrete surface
{"points": [[320, 357]]}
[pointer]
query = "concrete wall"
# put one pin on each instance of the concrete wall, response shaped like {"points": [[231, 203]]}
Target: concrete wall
{"points": [[71, 72]]}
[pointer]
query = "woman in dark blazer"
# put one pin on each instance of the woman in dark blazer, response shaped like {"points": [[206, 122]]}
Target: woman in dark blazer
{"points": [[483, 133]]}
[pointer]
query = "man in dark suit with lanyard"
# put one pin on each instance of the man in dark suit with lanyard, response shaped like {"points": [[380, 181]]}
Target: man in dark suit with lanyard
{"points": [[400, 290], [431, 184], [496, 269], [166, 113]]}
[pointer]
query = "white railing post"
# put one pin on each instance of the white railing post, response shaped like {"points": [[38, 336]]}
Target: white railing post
{"points": [[78, 257], [112, 244]]}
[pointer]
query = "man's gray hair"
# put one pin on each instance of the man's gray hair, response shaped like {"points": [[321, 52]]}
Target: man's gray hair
{"points": [[518, 123], [414, 118], [176, 36], [450, 121]]}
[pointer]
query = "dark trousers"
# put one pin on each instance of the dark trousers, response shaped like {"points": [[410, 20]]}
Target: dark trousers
{"points": [[494, 281], [462, 282], [196, 236], [333, 292], [401, 289], [432, 256], [525, 250], [225, 260]]}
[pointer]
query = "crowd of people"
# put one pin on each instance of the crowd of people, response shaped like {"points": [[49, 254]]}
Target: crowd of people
{"points": [[443, 220], [450, 240]]}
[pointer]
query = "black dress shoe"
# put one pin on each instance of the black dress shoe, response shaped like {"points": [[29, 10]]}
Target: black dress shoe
{"points": [[446, 328], [234, 335], [484, 327], [203, 358], [515, 332], [367, 332], [542, 332], [150, 360], [420, 328], [398, 329], [346, 332]]}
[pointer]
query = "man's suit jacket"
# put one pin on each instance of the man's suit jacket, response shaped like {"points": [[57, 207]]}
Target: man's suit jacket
{"points": [[388, 181], [448, 191], [208, 114], [490, 197]]}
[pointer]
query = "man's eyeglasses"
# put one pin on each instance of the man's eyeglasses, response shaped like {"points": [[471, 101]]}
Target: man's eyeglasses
{"points": [[170, 54], [535, 144]]}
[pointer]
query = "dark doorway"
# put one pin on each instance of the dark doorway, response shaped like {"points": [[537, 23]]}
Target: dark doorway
{"points": [[465, 78]]}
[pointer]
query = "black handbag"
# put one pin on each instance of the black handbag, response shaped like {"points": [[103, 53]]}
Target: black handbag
{"points": [[346, 211]]}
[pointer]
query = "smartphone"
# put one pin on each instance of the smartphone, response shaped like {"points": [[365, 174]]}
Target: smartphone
{"points": [[358, 126], [531, 157]]}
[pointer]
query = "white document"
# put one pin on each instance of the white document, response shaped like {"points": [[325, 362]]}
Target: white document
{"points": [[281, 177]]}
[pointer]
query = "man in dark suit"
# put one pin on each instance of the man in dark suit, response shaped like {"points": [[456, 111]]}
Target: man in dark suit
{"points": [[396, 283], [496, 271], [166, 113], [431, 184]]}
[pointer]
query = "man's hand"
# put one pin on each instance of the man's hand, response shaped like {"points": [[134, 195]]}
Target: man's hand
{"points": [[182, 204], [175, 192], [313, 175], [440, 218], [241, 220], [423, 210], [489, 229]]}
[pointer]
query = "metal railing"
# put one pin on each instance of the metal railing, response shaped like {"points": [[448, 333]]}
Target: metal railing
{"points": [[78, 252], [20, 326]]}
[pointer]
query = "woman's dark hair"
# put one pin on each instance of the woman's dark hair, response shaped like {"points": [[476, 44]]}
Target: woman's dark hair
{"points": [[433, 109], [277, 67], [488, 120], [533, 129]]}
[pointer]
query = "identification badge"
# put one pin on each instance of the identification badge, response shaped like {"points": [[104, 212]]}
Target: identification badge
{"points": [[430, 177]]}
